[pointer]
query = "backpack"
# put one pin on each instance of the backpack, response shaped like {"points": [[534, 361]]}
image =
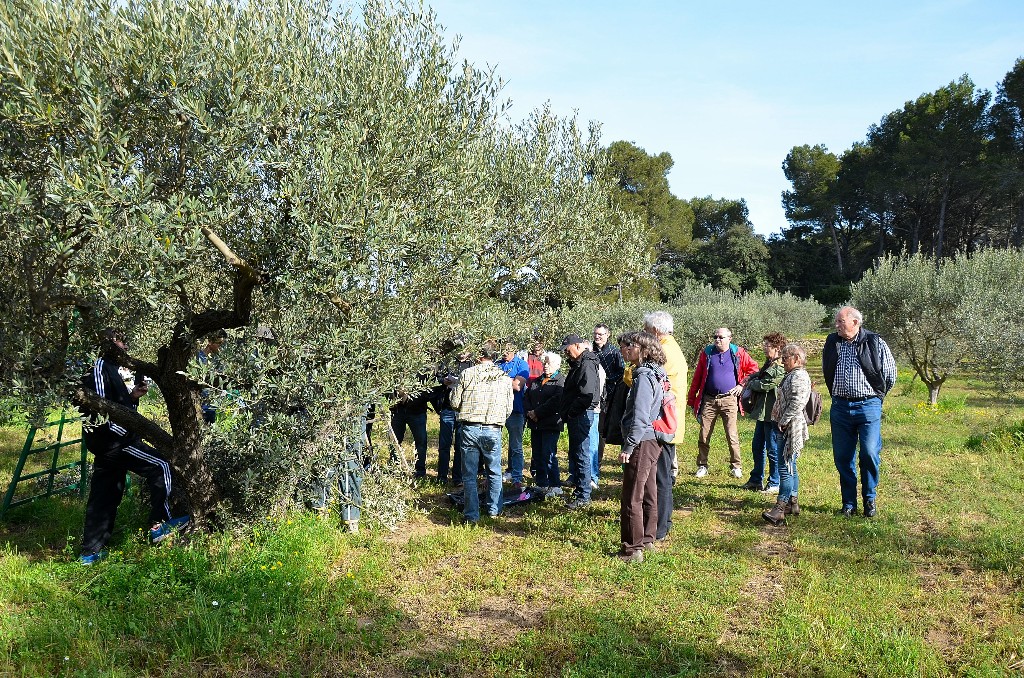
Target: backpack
{"points": [[667, 423], [812, 410]]}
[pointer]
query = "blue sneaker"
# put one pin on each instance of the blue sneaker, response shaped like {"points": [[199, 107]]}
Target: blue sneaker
{"points": [[166, 528], [92, 558]]}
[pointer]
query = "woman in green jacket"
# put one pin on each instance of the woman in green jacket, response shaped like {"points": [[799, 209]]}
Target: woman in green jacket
{"points": [[762, 385]]}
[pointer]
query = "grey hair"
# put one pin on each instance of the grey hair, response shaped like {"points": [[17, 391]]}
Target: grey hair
{"points": [[851, 311], [790, 350], [552, 359], [660, 321]]}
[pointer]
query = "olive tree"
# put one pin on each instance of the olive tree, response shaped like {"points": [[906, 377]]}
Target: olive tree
{"points": [[949, 315], [179, 168]]}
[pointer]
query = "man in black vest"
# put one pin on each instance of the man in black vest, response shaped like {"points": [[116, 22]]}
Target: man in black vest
{"points": [[859, 370]]}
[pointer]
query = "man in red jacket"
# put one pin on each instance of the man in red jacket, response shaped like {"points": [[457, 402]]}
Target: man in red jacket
{"points": [[715, 392]]}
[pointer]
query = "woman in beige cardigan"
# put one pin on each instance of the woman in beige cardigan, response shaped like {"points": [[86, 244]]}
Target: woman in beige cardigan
{"points": [[788, 413]]}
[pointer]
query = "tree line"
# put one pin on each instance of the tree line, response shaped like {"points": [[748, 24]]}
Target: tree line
{"points": [[944, 174]]}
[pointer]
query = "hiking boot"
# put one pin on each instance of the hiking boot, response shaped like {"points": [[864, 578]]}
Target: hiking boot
{"points": [[792, 508], [776, 515], [634, 557], [577, 503], [869, 508]]}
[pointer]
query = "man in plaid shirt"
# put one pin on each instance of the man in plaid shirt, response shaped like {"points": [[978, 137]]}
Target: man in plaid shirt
{"points": [[859, 371], [483, 398]]}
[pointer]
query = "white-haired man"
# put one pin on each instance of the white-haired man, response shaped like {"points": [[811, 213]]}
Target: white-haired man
{"points": [[859, 371]]}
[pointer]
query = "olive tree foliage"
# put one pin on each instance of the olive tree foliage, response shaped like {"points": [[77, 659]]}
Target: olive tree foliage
{"points": [[178, 168], [947, 316], [696, 313]]}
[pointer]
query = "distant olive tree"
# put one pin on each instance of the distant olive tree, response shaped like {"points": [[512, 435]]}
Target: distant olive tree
{"points": [[946, 316], [179, 169]]}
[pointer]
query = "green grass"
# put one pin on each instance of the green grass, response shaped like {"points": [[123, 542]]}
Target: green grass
{"points": [[931, 587]]}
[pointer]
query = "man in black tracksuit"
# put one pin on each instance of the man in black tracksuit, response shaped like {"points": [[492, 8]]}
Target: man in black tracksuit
{"points": [[581, 393], [117, 451]]}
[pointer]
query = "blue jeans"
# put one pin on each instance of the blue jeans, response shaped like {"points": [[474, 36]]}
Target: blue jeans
{"points": [[852, 422], [515, 424], [445, 438], [478, 440], [595, 445], [766, 443], [579, 454], [418, 425], [545, 458], [789, 479]]}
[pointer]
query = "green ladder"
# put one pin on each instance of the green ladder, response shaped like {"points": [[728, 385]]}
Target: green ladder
{"points": [[54, 469]]}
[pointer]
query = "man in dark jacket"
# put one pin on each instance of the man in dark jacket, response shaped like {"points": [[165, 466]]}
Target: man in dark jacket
{"points": [[859, 371], [116, 451], [581, 393]]}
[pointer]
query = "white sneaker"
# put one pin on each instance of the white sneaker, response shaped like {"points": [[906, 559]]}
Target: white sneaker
{"points": [[701, 471], [737, 472], [593, 485], [507, 477], [771, 489], [553, 492]]}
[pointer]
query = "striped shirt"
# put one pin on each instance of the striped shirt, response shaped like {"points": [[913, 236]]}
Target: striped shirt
{"points": [[483, 395], [850, 381]]}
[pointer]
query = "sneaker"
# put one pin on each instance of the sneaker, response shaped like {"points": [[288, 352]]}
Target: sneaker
{"points": [[736, 472], [577, 504], [166, 528], [593, 484], [752, 486], [507, 477], [701, 471], [771, 489], [554, 492], [92, 558]]}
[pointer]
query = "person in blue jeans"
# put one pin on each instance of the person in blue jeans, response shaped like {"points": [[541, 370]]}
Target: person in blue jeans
{"points": [[518, 371], [765, 444], [788, 413], [541, 401], [483, 399], [448, 422], [859, 371]]}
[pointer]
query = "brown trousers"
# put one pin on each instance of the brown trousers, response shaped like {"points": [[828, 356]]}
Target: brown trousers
{"points": [[712, 408], [639, 511]]}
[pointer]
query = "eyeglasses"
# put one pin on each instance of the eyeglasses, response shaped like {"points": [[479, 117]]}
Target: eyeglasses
{"points": [[722, 336]]}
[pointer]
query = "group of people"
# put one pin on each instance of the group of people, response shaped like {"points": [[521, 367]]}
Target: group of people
{"points": [[600, 395]]}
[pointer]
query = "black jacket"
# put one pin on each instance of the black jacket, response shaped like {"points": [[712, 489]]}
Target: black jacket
{"points": [[105, 379], [544, 400], [869, 354], [582, 386]]}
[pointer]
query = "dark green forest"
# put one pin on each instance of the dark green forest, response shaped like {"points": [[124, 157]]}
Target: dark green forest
{"points": [[940, 176]]}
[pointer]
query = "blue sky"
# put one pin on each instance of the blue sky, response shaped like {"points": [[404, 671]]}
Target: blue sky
{"points": [[729, 88]]}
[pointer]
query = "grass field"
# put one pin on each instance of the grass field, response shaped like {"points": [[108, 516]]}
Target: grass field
{"points": [[931, 587]]}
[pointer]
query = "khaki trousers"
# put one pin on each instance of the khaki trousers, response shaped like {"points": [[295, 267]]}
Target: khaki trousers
{"points": [[711, 409]]}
